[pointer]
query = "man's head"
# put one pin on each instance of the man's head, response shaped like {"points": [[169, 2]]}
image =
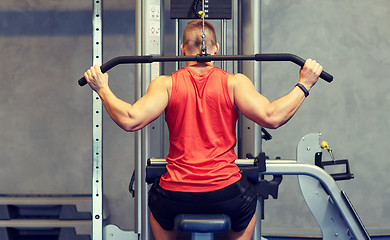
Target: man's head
{"points": [[192, 38]]}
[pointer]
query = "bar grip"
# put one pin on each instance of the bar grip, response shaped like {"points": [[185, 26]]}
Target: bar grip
{"points": [[257, 57], [82, 81], [292, 58], [120, 60]]}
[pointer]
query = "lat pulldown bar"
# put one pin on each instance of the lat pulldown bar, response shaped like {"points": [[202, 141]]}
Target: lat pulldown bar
{"points": [[279, 57]]}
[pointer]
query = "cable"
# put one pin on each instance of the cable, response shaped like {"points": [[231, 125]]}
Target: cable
{"points": [[201, 14], [204, 48]]}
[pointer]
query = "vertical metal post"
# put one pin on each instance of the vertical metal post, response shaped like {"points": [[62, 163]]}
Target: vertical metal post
{"points": [[178, 52], [224, 42], [148, 29], [250, 40], [235, 29], [138, 143], [145, 80], [250, 133], [97, 129]]}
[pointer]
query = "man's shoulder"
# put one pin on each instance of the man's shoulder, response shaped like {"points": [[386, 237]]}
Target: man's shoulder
{"points": [[163, 78], [237, 77], [162, 81], [239, 81]]}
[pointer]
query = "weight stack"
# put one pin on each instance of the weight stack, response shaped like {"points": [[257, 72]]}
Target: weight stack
{"points": [[45, 217]]}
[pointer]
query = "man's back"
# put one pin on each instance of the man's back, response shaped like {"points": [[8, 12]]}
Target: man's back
{"points": [[201, 120]]}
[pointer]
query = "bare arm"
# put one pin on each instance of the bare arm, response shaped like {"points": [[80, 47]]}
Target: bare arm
{"points": [[272, 114], [127, 116]]}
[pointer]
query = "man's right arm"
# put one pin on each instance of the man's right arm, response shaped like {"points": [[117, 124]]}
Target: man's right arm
{"points": [[272, 114], [131, 117]]}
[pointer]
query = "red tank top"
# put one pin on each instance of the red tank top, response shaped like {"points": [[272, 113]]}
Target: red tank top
{"points": [[201, 119]]}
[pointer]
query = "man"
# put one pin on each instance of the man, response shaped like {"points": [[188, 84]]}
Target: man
{"points": [[201, 103]]}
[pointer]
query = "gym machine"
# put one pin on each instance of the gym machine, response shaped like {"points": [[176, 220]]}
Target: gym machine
{"points": [[148, 49], [329, 205]]}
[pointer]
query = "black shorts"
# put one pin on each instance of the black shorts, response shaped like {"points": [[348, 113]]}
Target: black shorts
{"points": [[238, 201]]}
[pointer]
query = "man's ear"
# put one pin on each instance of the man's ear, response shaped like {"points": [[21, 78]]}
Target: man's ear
{"points": [[216, 49], [183, 51]]}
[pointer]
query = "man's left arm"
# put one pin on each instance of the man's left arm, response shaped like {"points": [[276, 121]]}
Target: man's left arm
{"points": [[273, 114]]}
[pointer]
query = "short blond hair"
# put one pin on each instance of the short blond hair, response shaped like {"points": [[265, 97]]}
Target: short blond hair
{"points": [[192, 36]]}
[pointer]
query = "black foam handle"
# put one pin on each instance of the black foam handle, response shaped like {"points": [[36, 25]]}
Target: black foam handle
{"points": [[120, 60], [104, 68], [82, 81], [257, 57], [292, 58]]}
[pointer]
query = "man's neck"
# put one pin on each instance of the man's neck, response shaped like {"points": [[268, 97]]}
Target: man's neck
{"points": [[200, 68]]}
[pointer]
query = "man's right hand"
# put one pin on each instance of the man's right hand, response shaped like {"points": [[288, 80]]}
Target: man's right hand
{"points": [[95, 78]]}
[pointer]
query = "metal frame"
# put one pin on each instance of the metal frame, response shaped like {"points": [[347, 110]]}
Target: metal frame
{"points": [[150, 45], [329, 205], [97, 130], [142, 140], [249, 133]]}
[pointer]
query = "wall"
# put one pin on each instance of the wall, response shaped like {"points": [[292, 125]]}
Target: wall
{"points": [[351, 41], [45, 116]]}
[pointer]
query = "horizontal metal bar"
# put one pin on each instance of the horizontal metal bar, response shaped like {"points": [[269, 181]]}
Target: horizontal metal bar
{"points": [[20, 200], [206, 58], [163, 162], [44, 223], [279, 167]]}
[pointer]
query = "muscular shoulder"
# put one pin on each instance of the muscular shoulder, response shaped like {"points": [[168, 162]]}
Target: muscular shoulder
{"points": [[238, 80], [163, 82], [237, 77], [233, 82]]}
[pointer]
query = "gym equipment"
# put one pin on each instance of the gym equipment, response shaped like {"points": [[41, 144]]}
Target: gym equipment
{"points": [[329, 205], [97, 131], [148, 51], [206, 58], [202, 226], [217, 9], [45, 217]]}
